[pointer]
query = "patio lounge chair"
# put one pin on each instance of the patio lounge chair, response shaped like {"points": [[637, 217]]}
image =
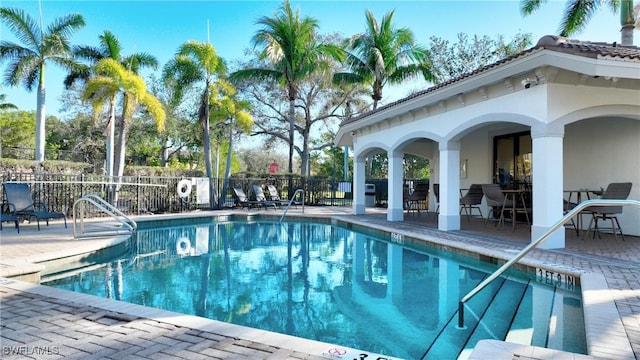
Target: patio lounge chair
{"points": [[615, 191], [18, 195], [242, 200], [472, 200], [9, 214], [275, 196], [261, 198]]}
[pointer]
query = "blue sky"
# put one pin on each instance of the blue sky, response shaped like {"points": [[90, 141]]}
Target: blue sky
{"points": [[159, 27]]}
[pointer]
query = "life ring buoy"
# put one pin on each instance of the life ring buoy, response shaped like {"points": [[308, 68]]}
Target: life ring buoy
{"points": [[184, 188], [183, 246]]}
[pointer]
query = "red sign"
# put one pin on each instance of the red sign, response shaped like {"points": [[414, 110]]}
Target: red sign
{"points": [[273, 168]]}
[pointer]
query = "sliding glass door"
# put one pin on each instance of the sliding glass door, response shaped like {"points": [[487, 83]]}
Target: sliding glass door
{"points": [[512, 157]]}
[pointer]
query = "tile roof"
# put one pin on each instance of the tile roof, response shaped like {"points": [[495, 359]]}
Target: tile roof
{"points": [[548, 42]]}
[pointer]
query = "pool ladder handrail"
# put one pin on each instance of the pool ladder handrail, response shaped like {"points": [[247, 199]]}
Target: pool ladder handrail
{"points": [[291, 202], [128, 224], [565, 219]]}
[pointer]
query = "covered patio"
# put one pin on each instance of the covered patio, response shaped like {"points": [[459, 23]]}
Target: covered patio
{"points": [[563, 115]]}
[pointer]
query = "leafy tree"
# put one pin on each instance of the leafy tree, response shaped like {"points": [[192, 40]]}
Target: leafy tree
{"points": [[383, 54], [288, 42], [181, 135], [16, 129], [416, 167], [78, 130], [330, 163], [257, 160], [379, 166], [109, 48], [196, 65], [451, 60], [578, 13], [27, 62]]}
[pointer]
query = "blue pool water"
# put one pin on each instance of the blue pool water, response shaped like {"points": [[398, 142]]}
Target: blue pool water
{"points": [[352, 287]]}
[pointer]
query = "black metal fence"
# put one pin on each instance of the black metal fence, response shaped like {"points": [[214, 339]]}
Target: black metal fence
{"points": [[136, 195]]}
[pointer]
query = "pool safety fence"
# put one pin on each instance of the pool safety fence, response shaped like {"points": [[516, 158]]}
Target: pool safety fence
{"points": [[139, 195]]}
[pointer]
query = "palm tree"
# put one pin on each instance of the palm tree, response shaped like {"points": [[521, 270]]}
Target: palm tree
{"points": [[27, 63], [287, 42], [197, 65], [232, 113], [112, 78], [6, 105], [383, 54], [578, 13], [109, 48]]}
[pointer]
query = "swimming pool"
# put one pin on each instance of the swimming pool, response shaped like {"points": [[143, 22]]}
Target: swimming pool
{"points": [[334, 283]]}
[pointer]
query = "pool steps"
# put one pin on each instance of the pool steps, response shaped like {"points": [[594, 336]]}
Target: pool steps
{"points": [[505, 308]]}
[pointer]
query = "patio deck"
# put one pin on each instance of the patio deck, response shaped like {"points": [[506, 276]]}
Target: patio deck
{"points": [[44, 322]]}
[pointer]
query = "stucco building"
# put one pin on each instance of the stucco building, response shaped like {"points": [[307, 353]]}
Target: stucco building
{"points": [[564, 114]]}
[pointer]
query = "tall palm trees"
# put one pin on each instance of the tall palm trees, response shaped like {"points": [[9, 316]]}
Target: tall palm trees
{"points": [[287, 42], [112, 78], [383, 54], [109, 48], [197, 65], [27, 62], [578, 13]]}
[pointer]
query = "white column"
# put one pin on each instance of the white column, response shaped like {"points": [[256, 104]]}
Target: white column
{"points": [[358, 185], [547, 185], [434, 176], [449, 217], [394, 207]]}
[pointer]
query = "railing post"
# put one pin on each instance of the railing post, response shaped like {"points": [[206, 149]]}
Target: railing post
{"points": [[138, 195], [461, 315], [82, 180]]}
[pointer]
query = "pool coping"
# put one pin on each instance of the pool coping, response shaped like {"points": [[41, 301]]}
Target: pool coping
{"points": [[606, 336], [221, 328]]}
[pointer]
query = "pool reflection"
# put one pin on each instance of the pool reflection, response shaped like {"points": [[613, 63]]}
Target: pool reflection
{"points": [[327, 283]]}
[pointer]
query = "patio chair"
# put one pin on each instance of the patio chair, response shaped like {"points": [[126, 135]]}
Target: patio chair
{"points": [[19, 196], [418, 199], [436, 193], [472, 200], [241, 199], [274, 196], [8, 213], [615, 191], [261, 198], [497, 201]]}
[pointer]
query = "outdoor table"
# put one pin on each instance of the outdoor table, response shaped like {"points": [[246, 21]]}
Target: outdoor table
{"points": [[579, 197], [514, 195]]}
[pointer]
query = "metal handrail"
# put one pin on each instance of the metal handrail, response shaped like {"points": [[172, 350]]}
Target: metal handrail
{"points": [[565, 219], [291, 202], [106, 207]]}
